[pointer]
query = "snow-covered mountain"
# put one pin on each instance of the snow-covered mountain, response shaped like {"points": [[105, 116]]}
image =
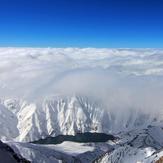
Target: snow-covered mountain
{"points": [[22, 121], [51, 92], [141, 145]]}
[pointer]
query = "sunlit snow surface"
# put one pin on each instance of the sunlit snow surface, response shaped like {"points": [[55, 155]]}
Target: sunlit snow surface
{"points": [[49, 92]]}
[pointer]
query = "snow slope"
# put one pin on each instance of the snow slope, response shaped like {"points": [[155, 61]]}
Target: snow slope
{"points": [[67, 152], [138, 146], [142, 145], [67, 116]]}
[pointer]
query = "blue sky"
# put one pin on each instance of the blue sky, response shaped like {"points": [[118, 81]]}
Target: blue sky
{"points": [[82, 23]]}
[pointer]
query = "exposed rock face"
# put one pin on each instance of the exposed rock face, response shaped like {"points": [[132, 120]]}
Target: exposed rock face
{"points": [[160, 160], [8, 155]]}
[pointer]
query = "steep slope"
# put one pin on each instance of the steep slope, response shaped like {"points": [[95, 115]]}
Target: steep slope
{"points": [[8, 123], [8, 155], [66, 115]]}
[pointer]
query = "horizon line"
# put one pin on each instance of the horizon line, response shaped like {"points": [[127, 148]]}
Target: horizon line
{"points": [[77, 47]]}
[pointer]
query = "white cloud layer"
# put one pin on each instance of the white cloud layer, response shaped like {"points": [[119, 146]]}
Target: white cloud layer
{"points": [[121, 78]]}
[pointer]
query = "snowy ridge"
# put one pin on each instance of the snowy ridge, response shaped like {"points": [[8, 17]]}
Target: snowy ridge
{"points": [[67, 116], [138, 146]]}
